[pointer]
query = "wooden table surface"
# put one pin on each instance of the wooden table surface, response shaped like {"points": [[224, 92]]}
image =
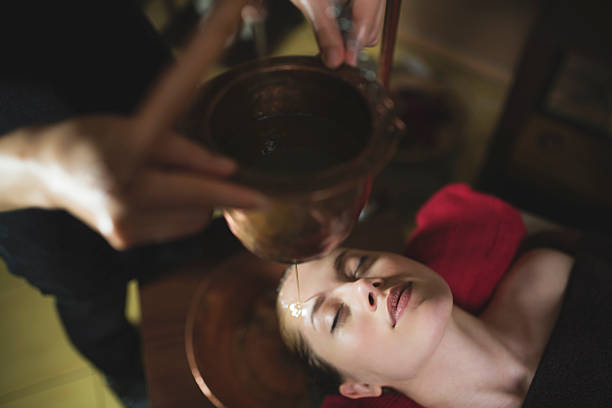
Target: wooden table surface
{"points": [[166, 300]]}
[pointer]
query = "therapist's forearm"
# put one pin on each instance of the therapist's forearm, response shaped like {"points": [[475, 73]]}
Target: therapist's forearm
{"points": [[21, 183]]}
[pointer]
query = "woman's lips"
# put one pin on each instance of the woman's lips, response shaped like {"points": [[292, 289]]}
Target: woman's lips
{"points": [[398, 299]]}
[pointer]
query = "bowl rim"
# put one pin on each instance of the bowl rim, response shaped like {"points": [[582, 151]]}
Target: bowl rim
{"points": [[382, 144], [193, 322]]}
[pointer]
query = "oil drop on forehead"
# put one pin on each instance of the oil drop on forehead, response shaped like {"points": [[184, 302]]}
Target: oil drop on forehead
{"points": [[296, 308]]}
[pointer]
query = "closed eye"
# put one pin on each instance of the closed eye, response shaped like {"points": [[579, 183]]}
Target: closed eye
{"points": [[362, 260], [336, 318], [361, 269]]}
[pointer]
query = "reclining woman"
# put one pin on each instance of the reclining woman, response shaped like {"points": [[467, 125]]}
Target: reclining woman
{"points": [[380, 321]]}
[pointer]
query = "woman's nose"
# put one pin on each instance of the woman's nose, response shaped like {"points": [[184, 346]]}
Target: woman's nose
{"points": [[368, 292]]}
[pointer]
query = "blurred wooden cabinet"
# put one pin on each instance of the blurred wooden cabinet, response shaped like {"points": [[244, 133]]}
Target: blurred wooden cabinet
{"points": [[551, 153]]}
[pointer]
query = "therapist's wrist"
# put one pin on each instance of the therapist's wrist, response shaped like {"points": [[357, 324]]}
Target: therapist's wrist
{"points": [[23, 181]]}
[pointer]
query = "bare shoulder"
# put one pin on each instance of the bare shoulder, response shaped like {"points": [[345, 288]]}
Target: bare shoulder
{"points": [[545, 271], [539, 272], [544, 259], [529, 297]]}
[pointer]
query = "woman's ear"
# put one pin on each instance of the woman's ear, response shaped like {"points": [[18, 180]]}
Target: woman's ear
{"points": [[352, 389]]}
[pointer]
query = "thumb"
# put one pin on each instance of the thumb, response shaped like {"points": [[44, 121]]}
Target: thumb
{"points": [[322, 17]]}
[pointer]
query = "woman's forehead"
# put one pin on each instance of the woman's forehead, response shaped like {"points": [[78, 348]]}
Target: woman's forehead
{"points": [[313, 276]]}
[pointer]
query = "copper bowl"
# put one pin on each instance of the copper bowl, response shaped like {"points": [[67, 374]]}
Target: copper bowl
{"points": [[233, 342], [310, 138]]}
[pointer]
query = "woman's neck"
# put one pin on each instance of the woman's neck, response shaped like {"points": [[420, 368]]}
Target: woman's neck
{"points": [[490, 361], [472, 368]]}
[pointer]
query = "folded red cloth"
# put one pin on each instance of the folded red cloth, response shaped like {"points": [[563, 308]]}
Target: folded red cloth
{"points": [[470, 239]]}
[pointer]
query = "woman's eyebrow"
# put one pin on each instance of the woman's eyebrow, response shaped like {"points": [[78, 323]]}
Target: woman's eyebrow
{"points": [[338, 269], [318, 302], [339, 265]]}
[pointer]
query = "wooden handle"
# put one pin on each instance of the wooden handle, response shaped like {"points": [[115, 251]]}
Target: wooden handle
{"points": [[392, 11]]}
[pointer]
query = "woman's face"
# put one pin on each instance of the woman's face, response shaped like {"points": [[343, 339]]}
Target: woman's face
{"points": [[376, 317]]}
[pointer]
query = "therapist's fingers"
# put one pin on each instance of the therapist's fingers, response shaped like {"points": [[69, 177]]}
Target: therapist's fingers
{"points": [[178, 152], [175, 189], [367, 18], [164, 204], [321, 14], [254, 11]]}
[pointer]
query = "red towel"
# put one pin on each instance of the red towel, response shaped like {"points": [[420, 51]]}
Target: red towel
{"points": [[470, 239]]}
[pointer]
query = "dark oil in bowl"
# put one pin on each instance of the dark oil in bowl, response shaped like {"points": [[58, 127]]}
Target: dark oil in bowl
{"points": [[296, 145]]}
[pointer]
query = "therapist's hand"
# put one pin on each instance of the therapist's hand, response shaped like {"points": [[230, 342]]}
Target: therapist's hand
{"points": [[105, 173], [367, 21]]}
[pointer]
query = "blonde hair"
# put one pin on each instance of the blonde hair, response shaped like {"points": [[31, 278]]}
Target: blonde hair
{"points": [[324, 377]]}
